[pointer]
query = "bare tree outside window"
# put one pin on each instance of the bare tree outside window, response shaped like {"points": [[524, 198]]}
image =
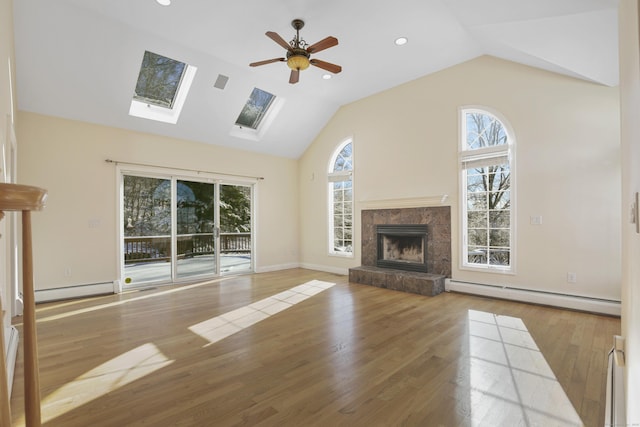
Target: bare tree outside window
{"points": [[146, 203], [159, 80], [255, 108]]}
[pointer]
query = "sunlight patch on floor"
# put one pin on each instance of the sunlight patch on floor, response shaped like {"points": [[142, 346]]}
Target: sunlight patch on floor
{"points": [[111, 375], [510, 382], [225, 325], [121, 302]]}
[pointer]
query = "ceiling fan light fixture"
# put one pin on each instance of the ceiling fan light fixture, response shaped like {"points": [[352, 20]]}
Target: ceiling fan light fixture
{"points": [[299, 53], [298, 62]]}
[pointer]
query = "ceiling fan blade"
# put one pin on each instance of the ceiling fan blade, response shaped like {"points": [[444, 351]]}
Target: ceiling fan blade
{"points": [[294, 77], [333, 68], [276, 38], [267, 61], [323, 44]]}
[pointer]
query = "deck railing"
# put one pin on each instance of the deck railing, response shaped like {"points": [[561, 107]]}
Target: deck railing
{"points": [[158, 248], [235, 243]]}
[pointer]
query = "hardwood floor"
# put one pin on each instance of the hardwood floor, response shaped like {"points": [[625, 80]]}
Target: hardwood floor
{"points": [[252, 351]]}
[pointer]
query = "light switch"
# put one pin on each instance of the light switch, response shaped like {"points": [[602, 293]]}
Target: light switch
{"points": [[535, 220]]}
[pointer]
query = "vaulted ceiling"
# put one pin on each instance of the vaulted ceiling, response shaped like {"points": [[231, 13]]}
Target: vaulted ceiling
{"points": [[79, 59]]}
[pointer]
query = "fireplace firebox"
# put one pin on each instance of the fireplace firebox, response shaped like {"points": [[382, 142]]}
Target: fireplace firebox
{"points": [[402, 246]]}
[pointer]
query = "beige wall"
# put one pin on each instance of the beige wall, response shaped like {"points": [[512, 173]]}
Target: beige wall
{"points": [[7, 106], [567, 160], [7, 82], [630, 136], [68, 159]]}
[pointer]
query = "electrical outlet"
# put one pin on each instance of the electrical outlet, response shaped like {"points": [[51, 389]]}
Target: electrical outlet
{"points": [[571, 277], [67, 271]]}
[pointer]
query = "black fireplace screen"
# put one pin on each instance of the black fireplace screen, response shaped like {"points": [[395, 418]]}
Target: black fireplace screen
{"points": [[402, 246]]}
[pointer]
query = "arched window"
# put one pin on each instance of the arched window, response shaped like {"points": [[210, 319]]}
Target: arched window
{"points": [[341, 200], [487, 187]]}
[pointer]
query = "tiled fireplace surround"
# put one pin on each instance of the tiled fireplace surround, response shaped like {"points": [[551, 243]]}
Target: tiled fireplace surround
{"points": [[438, 221]]}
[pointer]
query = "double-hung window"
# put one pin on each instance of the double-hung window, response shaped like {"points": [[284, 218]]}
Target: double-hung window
{"points": [[487, 177], [341, 200]]}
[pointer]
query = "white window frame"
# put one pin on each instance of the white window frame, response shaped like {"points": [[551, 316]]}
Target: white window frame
{"points": [[340, 176], [487, 155]]}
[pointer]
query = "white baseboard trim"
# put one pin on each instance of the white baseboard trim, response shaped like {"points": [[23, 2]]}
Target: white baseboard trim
{"points": [[326, 268], [574, 302], [307, 266], [78, 291], [11, 345], [270, 268]]}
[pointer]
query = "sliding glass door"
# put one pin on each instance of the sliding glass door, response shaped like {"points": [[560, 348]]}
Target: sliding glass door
{"points": [[235, 228], [195, 229], [147, 229], [177, 228]]}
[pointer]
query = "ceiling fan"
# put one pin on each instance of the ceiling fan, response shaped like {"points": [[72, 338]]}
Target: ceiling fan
{"points": [[298, 56]]}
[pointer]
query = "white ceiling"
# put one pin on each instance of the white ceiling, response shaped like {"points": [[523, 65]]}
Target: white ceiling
{"points": [[79, 59]]}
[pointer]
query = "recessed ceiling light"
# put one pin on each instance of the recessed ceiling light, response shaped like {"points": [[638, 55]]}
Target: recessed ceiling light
{"points": [[164, 2], [326, 76], [401, 40]]}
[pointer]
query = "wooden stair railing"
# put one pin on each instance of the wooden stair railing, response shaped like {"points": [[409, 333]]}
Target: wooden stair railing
{"points": [[24, 198]]}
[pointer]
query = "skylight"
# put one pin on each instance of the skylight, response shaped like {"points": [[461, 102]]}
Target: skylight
{"points": [[161, 88], [255, 109], [159, 80]]}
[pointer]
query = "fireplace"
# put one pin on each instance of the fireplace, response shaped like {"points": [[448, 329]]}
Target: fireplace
{"points": [[414, 261], [402, 246]]}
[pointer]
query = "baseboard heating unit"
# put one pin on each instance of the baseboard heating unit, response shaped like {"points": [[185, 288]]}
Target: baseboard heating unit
{"points": [[615, 401], [574, 302], [78, 291]]}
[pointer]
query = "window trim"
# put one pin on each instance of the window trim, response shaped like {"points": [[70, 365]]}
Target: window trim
{"points": [[332, 177], [465, 156]]}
